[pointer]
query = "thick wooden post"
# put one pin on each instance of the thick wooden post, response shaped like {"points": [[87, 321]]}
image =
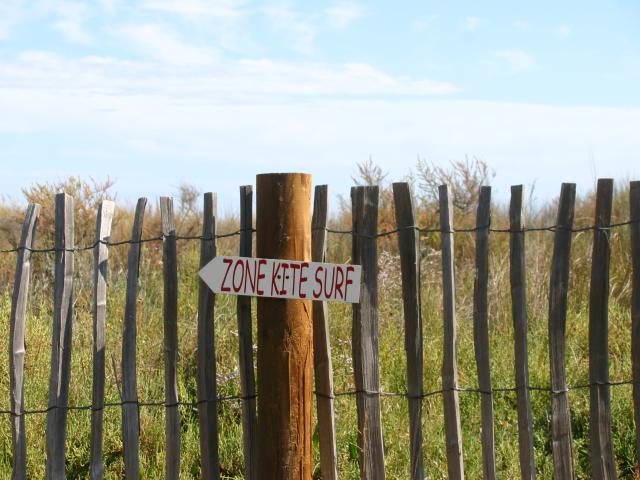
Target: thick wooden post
{"points": [[285, 353]]}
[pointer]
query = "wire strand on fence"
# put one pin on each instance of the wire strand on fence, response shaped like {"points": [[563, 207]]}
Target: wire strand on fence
{"points": [[93, 245], [478, 390], [319, 394], [427, 230], [126, 402], [386, 233]]}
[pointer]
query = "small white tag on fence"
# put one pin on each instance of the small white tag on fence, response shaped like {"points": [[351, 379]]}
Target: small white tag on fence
{"points": [[265, 277]]}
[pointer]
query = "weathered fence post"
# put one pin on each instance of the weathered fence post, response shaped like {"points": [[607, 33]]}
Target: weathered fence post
{"points": [[558, 289], [170, 313], [100, 272], [206, 380], [285, 361], [366, 369], [245, 337], [16, 341], [323, 368], [61, 339], [409, 248], [603, 464], [481, 332], [452, 428], [130, 411], [634, 228], [517, 270]]}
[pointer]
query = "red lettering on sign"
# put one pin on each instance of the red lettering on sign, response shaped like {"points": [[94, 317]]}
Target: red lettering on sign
{"points": [[302, 280], [250, 277], [339, 280], [285, 267], [274, 276], [294, 267], [260, 276], [317, 293], [348, 280], [229, 262], [238, 287], [329, 293]]}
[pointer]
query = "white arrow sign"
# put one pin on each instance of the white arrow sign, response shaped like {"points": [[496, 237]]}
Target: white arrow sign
{"points": [[264, 277]]}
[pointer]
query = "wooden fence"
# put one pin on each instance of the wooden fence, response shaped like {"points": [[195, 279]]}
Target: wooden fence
{"points": [[365, 235]]}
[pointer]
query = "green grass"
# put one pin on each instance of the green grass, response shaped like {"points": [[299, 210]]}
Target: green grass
{"points": [[392, 359]]}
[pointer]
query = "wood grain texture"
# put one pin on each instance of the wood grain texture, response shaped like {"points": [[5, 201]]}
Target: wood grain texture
{"points": [[130, 412], [323, 367], [634, 230], [62, 331], [104, 218], [364, 208], [16, 341], [285, 343], [517, 277], [481, 332], [245, 337], [206, 377], [561, 441], [453, 433], [603, 464], [170, 314], [408, 246]]}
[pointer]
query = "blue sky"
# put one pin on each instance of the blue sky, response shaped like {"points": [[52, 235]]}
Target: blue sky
{"points": [[156, 92]]}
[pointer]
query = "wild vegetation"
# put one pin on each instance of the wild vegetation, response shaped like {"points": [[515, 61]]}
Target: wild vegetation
{"points": [[464, 177]]}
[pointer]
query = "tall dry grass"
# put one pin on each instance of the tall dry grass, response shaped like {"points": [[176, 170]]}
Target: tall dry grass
{"points": [[464, 178]]}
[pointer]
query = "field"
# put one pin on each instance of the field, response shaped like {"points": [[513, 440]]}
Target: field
{"points": [[393, 365]]}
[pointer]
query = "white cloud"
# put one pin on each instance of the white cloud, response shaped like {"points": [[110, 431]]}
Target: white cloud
{"points": [[341, 15], [73, 31], [110, 5], [151, 116], [299, 28], [219, 82], [563, 31], [227, 109], [278, 112], [160, 42], [198, 9], [71, 19], [471, 24], [221, 20], [11, 11], [516, 61], [323, 79]]}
